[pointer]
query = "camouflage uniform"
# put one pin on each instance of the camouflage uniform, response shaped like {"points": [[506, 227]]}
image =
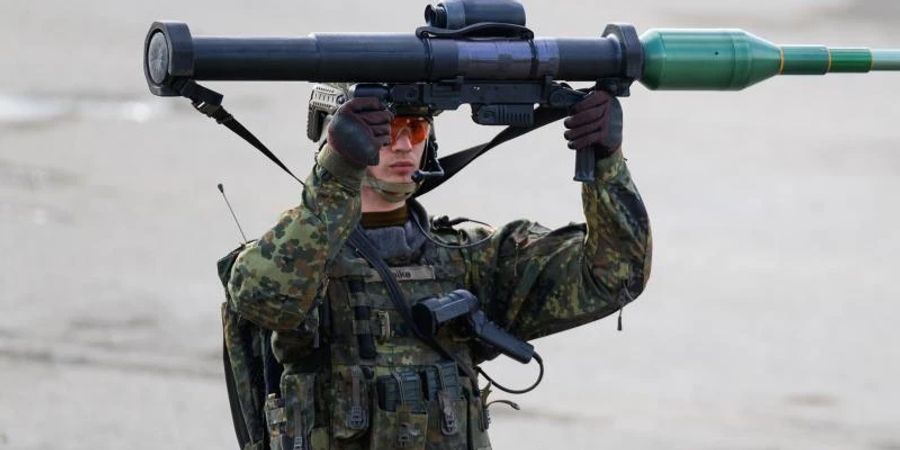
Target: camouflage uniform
{"points": [[303, 282]]}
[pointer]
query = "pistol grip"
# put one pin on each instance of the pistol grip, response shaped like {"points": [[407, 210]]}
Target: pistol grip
{"points": [[585, 165]]}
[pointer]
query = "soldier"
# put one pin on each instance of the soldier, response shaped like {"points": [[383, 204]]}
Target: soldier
{"points": [[355, 375]]}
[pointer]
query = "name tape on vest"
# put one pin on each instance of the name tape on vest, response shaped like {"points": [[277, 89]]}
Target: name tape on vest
{"points": [[401, 274]]}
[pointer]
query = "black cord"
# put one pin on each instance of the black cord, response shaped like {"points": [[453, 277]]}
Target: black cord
{"points": [[517, 391], [454, 246]]}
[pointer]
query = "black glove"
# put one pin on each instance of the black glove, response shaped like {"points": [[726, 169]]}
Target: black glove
{"points": [[359, 129], [595, 123]]}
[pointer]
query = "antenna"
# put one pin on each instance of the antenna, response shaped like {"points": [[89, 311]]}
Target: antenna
{"points": [[222, 190]]}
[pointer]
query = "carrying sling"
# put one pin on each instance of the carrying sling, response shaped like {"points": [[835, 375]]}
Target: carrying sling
{"points": [[209, 103]]}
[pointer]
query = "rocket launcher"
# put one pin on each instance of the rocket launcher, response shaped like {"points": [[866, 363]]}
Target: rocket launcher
{"points": [[661, 59], [480, 53]]}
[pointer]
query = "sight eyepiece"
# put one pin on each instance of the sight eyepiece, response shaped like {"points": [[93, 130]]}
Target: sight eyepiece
{"points": [[456, 14]]}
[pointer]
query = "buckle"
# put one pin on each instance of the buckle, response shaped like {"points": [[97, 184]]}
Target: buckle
{"points": [[382, 326], [206, 108], [406, 435], [449, 424], [357, 419]]}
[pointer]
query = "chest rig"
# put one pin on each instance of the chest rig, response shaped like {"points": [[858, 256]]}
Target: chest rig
{"points": [[383, 387]]}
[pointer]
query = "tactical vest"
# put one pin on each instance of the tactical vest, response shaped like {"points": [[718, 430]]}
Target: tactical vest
{"points": [[372, 384]]}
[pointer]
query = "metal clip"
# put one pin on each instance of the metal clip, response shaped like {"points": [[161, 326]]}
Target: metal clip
{"points": [[486, 414], [357, 419], [485, 419], [382, 326]]}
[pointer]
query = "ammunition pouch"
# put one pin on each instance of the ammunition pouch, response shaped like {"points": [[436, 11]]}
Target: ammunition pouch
{"points": [[421, 404]]}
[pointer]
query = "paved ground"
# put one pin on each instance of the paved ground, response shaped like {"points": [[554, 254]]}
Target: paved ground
{"points": [[769, 322]]}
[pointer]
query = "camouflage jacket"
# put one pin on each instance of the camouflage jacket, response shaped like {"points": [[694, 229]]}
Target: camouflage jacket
{"points": [[303, 282]]}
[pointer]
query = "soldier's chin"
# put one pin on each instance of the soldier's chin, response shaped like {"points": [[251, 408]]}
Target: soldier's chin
{"points": [[402, 173], [396, 178]]}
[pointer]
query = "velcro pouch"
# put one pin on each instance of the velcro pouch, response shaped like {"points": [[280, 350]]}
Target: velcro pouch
{"points": [[298, 391], [350, 415], [402, 429]]}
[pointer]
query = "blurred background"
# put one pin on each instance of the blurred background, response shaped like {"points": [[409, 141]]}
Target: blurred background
{"points": [[768, 323]]}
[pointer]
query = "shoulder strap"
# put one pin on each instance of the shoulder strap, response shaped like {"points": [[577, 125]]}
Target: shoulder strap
{"points": [[455, 162], [361, 244], [209, 102]]}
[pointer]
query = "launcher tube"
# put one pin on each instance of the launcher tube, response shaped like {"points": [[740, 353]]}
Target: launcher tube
{"points": [[172, 53]]}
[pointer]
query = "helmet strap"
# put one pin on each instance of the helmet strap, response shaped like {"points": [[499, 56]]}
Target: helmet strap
{"points": [[391, 192]]}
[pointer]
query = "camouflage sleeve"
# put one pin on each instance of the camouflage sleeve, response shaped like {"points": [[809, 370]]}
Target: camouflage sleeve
{"points": [[276, 280], [536, 282]]}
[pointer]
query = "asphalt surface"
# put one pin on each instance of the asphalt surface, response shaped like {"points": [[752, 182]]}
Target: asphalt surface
{"points": [[770, 318]]}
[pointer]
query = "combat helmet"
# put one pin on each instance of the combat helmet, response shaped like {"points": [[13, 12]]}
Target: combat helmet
{"points": [[325, 100]]}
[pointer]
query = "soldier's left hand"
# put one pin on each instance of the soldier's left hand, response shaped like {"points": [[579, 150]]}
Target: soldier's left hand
{"points": [[595, 123]]}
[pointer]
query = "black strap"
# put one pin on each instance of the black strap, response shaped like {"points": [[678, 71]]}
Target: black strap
{"points": [[455, 162], [361, 243], [209, 102]]}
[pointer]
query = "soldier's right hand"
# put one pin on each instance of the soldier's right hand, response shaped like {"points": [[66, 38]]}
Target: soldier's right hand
{"points": [[358, 130]]}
